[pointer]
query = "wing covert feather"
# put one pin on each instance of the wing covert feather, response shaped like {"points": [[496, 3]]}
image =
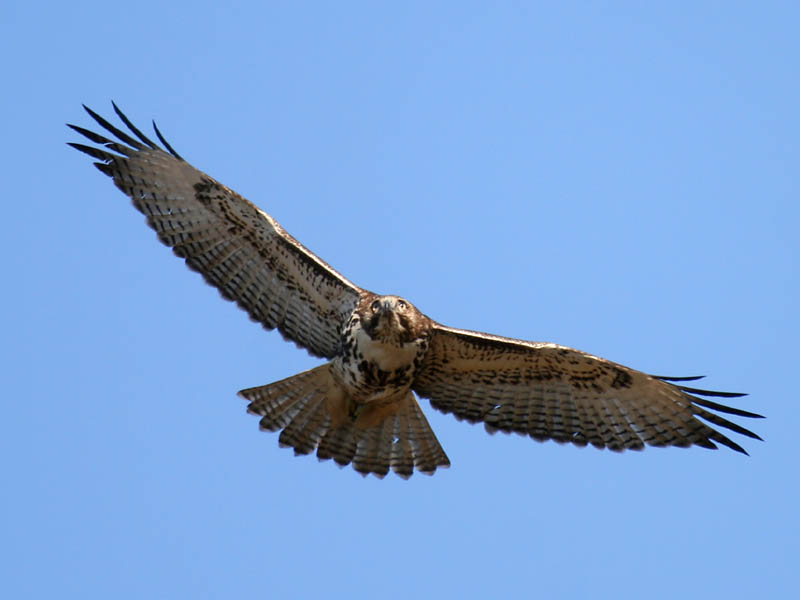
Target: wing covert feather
{"points": [[237, 247], [554, 392]]}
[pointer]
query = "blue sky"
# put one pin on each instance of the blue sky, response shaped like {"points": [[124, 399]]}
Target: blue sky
{"points": [[617, 177]]}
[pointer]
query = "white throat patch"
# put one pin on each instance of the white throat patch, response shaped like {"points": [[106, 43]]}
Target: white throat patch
{"points": [[387, 357]]}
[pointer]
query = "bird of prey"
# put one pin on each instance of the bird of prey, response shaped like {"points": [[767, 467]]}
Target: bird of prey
{"points": [[360, 407]]}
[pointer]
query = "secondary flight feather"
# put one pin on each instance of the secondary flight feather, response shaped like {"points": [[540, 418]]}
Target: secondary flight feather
{"points": [[360, 407]]}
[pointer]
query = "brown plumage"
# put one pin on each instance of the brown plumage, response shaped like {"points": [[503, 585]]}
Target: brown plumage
{"points": [[359, 407]]}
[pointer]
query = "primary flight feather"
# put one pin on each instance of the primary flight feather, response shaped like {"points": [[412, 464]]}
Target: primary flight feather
{"points": [[359, 407]]}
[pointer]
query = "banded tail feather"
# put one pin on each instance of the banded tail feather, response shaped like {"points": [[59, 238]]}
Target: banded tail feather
{"points": [[314, 413]]}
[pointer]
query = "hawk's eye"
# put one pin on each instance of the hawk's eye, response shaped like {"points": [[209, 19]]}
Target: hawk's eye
{"points": [[376, 306], [402, 304]]}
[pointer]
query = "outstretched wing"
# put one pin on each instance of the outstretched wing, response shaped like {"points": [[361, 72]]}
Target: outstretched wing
{"points": [[553, 392], [237, 247]]}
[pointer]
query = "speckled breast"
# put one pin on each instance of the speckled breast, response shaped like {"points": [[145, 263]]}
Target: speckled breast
{"points": [[371, 369]]}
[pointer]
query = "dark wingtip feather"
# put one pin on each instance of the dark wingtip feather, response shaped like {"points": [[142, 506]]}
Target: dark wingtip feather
{"points": [[142, 143], [91, 151], [95, 137], [104, 168], [712, 393], [734, 446], [166, 143], [116, 131], [689, 378], [722, 422], [694, 393], [133, 127], [726, 409]]}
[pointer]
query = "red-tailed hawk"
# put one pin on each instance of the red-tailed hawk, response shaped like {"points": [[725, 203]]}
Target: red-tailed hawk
{"points": [[359, 407]]}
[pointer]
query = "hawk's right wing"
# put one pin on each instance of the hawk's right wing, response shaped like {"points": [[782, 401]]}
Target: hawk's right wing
{"points": [[553, 392], [237, 247]]}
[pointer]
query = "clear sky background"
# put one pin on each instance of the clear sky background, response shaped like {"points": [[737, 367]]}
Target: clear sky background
{"points": [[621, 177]]}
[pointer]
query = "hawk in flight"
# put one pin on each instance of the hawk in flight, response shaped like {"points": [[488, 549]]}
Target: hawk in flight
{"points": [[360, 406]]}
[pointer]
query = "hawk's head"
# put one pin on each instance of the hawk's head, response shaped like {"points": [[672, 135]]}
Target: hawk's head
{"points": [[392, 319]]}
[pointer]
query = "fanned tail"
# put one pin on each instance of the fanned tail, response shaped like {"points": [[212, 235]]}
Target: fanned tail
{"points": [[314, 413]]}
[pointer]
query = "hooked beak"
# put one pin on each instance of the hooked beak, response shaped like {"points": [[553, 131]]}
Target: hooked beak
{"points": [[385, 317], [386, 314]]}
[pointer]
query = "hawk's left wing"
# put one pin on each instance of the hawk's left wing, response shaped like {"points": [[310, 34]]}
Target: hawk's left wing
{"points": [[237, 247], [554, 392]]}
